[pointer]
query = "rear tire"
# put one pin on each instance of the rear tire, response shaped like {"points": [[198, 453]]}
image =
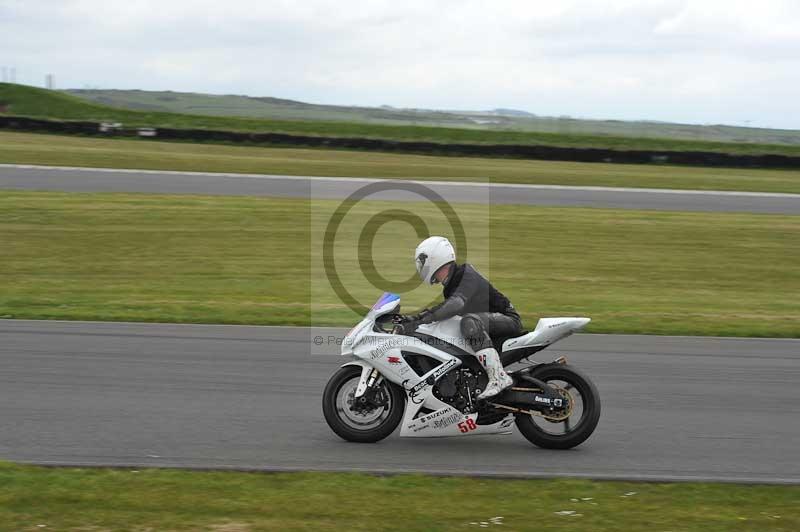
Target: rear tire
{"points": [[361, 428], [586, 424]]}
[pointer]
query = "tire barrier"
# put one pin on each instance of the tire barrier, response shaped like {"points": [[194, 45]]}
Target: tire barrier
{"points": [[517, 151]]}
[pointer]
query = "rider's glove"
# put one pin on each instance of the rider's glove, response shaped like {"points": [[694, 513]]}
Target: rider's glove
{"points": [[407, 327], [426, 316]]}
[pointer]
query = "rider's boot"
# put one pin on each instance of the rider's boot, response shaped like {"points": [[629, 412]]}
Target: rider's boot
{"points": [[498, 378]]}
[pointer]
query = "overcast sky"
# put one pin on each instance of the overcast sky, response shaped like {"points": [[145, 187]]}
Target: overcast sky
{"points": [[701, 61]]}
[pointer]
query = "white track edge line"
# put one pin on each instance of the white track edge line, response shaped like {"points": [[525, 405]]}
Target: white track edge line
{"points": [[532, 475], [311, 328], [417, 181]]}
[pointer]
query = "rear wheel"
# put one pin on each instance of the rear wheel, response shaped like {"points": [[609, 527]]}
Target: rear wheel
{"points": [[367, 420], [564, 431]]}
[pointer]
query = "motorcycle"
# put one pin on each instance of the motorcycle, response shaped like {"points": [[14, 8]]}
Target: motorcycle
{"points": [[428, 379]]}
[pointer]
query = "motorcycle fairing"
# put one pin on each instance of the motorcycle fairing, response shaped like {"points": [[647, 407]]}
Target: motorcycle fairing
{"points": [[547, 331], [447, 421], [384, 352]]}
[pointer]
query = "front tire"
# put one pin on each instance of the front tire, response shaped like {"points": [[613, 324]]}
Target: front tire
{"points": [[364, 425], [541, 432]]}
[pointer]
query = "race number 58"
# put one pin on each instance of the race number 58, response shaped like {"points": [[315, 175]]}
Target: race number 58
{"points": [[468, 425]]}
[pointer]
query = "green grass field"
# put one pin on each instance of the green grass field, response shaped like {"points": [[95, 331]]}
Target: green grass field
{"points": [[203, 259], [29, 101], [33, 498], [26, 148]]}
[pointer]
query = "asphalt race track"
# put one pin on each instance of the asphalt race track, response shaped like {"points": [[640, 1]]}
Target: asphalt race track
{"points": [[164, 182], [674, 408]]}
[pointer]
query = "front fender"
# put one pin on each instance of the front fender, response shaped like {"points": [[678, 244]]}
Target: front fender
{"points": [[366, 370]]}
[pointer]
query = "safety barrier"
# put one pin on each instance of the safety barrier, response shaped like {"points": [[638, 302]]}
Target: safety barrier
{"points": [[519, 151]]}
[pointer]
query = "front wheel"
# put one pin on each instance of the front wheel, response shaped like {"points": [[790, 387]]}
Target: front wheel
{"points": [[563, 432], [372, 418]]}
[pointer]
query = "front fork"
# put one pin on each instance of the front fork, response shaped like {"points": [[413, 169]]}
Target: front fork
{"points": [[369, 377], [364, 396]]}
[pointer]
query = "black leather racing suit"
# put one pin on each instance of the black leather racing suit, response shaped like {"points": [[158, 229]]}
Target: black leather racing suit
{"points": [[486, 312]]}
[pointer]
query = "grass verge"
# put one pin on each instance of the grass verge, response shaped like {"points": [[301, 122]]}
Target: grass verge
{"points": [[27, 148], [30, 101], [200, 259], [149, 499]]}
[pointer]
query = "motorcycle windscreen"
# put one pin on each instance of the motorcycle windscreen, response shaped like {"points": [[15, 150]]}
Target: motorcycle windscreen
{"points": [[388, 302]]}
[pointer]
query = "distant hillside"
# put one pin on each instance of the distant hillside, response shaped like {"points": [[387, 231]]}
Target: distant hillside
{"points": [[496, 119], [21, 100], [266, 107], [512, 112]]}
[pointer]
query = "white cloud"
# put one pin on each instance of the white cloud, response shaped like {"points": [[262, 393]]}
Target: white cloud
{"points": [[711, 61]]}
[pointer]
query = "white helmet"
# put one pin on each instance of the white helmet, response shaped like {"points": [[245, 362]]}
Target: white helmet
{"points": [[433, 253]]}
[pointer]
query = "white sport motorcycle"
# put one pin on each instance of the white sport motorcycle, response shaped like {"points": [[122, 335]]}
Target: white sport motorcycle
{"points": [[429, 380]]}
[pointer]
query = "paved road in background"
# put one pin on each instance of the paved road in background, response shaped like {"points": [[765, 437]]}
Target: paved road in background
{"points": [[249, 397], [99, 180]]}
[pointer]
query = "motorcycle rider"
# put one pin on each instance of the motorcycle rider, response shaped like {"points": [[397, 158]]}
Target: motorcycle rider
{"points": [[485, 311]]}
